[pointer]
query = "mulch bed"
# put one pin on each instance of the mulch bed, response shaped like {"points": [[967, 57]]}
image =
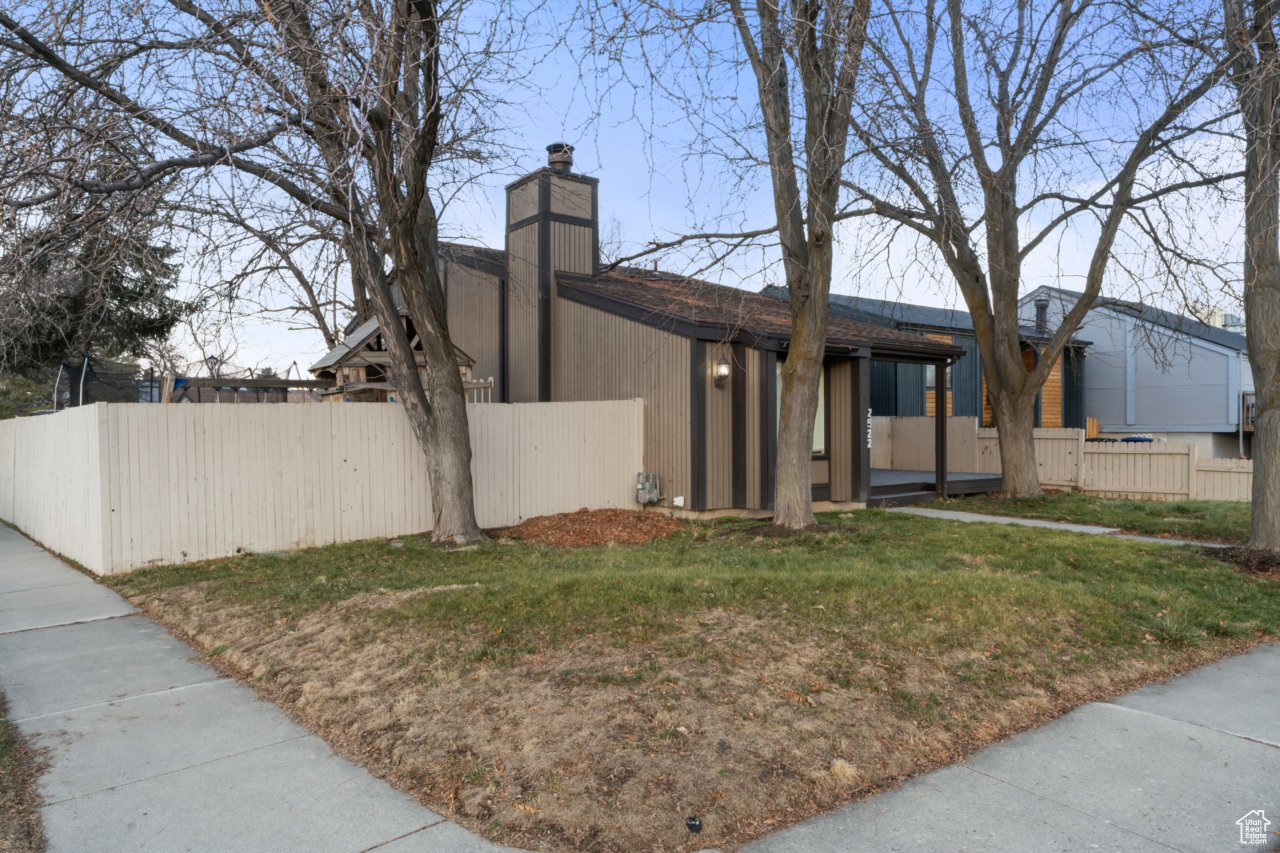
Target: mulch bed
{"points": [[594, 527], [1249, 560]]}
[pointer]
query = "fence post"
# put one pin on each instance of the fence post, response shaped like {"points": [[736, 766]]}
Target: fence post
{"points": [[1080, 434], [1192, 460]]}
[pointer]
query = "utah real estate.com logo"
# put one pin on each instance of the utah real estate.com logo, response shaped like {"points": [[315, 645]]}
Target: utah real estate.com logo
{"points": [[1253, 827]]}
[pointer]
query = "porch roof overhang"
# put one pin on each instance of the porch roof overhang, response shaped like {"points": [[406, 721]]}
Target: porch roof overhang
{"points": [[712, 312]]}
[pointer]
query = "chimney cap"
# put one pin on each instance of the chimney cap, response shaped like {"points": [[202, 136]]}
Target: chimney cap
{"points": [[1042, 299], [560, 156]]}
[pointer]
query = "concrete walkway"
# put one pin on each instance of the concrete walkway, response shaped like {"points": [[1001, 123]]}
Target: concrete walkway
{"points": [[151, 750], [1089, 529], [1170, 767]]}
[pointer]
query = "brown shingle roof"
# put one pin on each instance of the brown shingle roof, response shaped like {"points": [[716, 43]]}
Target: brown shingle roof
{"points": [[665, 296]]}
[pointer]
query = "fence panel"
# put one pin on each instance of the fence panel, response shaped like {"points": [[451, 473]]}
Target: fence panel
{"points": [[1150, 471], [117, 486], [912, 440], [1157, 471], [1224, 479], [52, 482]]}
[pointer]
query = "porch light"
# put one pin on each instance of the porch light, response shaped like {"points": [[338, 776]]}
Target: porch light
{"points": [[721, 372]]}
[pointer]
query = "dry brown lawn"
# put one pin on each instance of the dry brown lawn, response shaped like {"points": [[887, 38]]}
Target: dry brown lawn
{"points": [[595, 699]]}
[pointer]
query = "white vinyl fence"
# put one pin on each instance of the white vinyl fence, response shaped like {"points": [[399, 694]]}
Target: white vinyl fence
{"points": [[118, 486], [1163, 471]]}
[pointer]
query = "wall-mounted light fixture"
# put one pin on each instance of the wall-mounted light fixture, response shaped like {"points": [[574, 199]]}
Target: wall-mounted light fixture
{"points": [[721, 373]]}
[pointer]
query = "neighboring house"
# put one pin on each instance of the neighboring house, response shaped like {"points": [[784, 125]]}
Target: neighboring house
{"points": [[549, 324], [908, 389], [358, 369], [1153, 371]]}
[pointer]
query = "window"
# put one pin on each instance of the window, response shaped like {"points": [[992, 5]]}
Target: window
{"points": [[820, 420]]}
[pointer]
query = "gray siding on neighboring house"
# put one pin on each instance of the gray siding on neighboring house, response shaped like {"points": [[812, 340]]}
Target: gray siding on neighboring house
{"points": [[884, 389], [910, 384], [1140, 377], [966, 379]]}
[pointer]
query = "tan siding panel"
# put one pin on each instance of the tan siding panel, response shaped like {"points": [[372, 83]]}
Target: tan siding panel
{"points": [[754, 366], [570, 197], [840, 393], [719, 435], [600, 356], [522, 202], [473, 317], [522, 314], [572, 248]]}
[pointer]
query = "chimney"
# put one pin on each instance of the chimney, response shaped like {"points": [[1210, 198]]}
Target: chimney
{"points": [[552, 230], [560, 158], [1042, 314]]}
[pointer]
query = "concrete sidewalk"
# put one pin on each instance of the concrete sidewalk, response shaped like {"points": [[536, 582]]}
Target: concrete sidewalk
{"points": [[1044, 524], [1173, 766], [151, 750]]}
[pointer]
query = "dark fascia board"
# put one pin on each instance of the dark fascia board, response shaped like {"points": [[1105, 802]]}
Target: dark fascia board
{"points": [[484, 265], [649, 317], [547, 170], [725, 334]]}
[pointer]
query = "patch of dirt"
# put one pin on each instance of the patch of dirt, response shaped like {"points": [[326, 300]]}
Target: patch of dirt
{"points": [[774, 531], [20, 827], [1249, 560], [594, 527], [748, 723]]}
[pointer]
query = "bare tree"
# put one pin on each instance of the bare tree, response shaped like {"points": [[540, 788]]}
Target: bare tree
{"points": [[1250, 41], [355, 111], [802, 59], [991, 131]]}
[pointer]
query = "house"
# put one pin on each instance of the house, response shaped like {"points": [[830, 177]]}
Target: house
{"points": [[550, 324], [1154, 371], [908, 389]]}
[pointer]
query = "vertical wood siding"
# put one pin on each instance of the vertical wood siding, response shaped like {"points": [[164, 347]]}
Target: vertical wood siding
{"points": [[600, 356], [754, 366], [571, 197], [522, 314], [522, 201], [472, 302], [840, 378], [118, 486], [572, 248], [719, 429]]}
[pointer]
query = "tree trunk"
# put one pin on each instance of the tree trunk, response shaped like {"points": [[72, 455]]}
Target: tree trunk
{"points": [[447, 437], [1255, 71], [1015, 423], [1262, 319], [793, 478]]}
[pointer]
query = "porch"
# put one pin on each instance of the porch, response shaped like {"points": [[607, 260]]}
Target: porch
{"points": [[895, 487]]}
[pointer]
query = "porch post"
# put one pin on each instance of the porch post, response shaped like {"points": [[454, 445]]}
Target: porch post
{"points": [[940, 427], [862, 431]]}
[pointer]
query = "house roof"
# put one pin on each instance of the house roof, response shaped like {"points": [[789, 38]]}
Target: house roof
{"points": [[1155, 317], [661, 298], [902, 314], [360, 337]]}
